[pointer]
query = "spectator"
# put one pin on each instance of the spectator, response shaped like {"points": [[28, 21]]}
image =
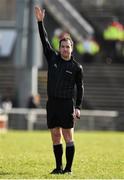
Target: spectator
{"points": [[34, 101]]}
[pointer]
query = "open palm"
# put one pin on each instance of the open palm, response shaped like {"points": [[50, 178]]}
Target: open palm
{"points": [[39, 13]]}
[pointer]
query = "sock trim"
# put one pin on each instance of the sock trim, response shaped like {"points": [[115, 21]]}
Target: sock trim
{"points": [[69, 144]]}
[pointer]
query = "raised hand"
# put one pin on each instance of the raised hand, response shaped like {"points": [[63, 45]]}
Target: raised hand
{"points": [[39, 13]]}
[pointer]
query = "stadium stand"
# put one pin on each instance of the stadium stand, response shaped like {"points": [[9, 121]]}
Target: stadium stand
{"points": [[103, 87], [7, 77], [100, 13], [69, 18]]}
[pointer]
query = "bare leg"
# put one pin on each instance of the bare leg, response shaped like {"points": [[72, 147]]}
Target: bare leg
{"points": [[56, 135], [68, 135]]}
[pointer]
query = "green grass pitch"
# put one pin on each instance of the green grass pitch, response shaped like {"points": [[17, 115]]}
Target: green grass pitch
{"points": [[28, 155]]}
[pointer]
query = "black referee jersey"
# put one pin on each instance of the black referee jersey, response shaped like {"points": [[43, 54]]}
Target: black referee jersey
{"points": [[62, 75]]}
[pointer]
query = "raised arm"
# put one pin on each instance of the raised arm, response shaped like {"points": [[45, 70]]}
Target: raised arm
{"points": [[40, 14]]}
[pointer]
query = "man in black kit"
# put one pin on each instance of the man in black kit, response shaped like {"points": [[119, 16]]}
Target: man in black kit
{"points": [[63, 74]]}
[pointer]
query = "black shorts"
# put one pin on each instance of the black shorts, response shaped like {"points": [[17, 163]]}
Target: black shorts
{"points": [[60, 113]]}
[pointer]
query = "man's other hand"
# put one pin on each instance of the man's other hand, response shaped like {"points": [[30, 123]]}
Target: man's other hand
{"points": [[76, 113]]}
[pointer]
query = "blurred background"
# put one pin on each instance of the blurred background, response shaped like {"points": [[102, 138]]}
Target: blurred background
{"points": [[97, 28]]}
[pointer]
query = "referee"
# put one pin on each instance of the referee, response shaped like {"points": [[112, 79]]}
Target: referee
{"points": [[63, 74]]}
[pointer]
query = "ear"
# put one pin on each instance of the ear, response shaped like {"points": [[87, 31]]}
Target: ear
{"points": [[72, 48]]}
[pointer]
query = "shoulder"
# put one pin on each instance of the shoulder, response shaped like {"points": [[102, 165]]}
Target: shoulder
{"points": [[77, 65], [54, 57]]}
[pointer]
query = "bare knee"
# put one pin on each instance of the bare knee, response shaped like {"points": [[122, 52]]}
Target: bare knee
{"points": [[56, 135], [68, 135]]}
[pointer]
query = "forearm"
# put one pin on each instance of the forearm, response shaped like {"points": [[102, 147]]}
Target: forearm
{"points": [[80, 95], [44, 37]]}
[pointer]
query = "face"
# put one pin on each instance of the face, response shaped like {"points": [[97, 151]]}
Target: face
{"points": [[66, 49]]}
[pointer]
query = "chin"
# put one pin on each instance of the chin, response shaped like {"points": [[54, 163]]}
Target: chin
{"points": [[65, 56]]}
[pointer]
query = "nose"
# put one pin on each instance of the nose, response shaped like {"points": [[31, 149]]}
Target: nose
{"points": [[65, 49]]}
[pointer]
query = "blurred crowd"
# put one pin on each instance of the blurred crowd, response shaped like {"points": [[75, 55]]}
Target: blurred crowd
{"points": [[89, 48], [7, 102]]}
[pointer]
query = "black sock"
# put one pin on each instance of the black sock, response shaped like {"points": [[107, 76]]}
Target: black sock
{"points": [[70, 150], [58, 151]]}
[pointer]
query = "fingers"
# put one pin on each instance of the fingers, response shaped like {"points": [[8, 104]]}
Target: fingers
{"points": [[44, 11], [76, 114], [78, 117], [39, 10], [37, 7], [39, 13]]}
